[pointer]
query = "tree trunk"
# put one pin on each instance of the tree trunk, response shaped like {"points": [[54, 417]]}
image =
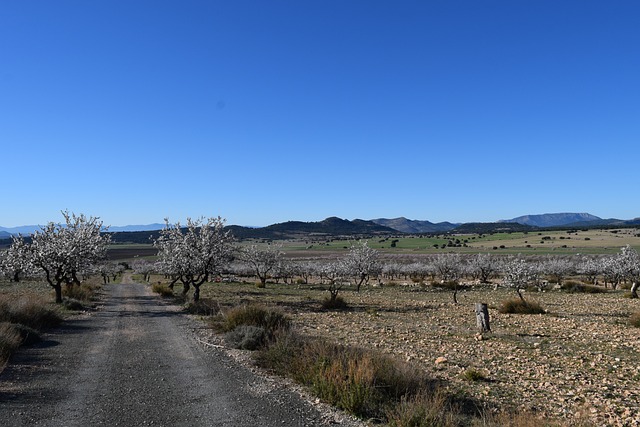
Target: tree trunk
{"points": [[196, 293], [482, 317], [58, 289], [634, 290]]}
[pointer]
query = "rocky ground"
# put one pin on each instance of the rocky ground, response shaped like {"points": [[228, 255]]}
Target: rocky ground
{"points": [[579, 362]]}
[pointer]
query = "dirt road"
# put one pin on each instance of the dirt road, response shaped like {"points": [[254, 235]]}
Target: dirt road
{"points": [[136, 362]]}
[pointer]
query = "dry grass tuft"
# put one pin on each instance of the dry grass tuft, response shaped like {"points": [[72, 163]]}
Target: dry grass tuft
{"points": [[30, 311]]}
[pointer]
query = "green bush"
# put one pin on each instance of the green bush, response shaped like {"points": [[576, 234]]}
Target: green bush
{"points": [[246, 337], [520, 306]]}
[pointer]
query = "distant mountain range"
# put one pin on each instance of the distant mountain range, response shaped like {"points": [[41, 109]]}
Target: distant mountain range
{"points": [[336, 227], [414, 226], [553, 219]]}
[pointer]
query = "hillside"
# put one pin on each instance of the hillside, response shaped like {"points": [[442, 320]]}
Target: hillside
{"points": [[553, 219], [491, 227], [410, 226], [330, 227]]}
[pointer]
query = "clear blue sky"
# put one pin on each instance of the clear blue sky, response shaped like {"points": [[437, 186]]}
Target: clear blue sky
{"points": [[268, 111]]}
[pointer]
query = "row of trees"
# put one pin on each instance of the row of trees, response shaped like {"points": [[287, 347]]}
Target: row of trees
{"points": [[202, 251]]}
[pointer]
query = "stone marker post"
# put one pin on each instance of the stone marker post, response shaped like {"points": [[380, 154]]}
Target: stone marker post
{"points": [[482, 317]]}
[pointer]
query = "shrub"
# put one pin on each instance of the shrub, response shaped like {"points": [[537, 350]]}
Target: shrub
{"points": [[246, 337], [9, 340], [424, 410], [578, 287], [203, 307], [337, 303], [362, 382], [634, 320], [474, 375], [162, 289], [29, 311], [271, 321], [520, 306], [81, 293], [72, 304], [28, 336]]}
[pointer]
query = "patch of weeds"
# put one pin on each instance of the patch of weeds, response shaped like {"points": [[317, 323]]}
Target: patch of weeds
{"points": [[246, 337], [520, 306]]}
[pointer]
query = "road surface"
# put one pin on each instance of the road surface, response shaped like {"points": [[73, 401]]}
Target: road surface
{"points": [[136, 362]]}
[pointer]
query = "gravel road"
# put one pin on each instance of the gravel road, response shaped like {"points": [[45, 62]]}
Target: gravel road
{"points": [[136, 362]]}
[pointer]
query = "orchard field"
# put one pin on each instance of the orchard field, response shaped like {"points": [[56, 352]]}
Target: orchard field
{"points": [[411, 298]]}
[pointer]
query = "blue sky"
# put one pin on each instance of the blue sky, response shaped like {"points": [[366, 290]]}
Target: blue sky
{"points": [[268, 111]]}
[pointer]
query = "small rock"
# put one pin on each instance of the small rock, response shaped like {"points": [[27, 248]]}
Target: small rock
{"points": [[440, 360]]}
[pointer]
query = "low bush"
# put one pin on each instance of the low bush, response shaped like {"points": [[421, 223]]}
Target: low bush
{"points": [[73, 304], [271, 321], [578, 287], [634, 319], [28, 336], [246, 337], [203, 307], [162, 289], [29, 311], [424, 410], [10, 340], [82, 292], [337, 303], [520, 306], [474, 375], [362, 382]]}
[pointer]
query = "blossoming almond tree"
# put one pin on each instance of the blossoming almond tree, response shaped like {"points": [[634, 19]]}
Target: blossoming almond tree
{"points": [[263, 260], [195, 253], [61, 251]]}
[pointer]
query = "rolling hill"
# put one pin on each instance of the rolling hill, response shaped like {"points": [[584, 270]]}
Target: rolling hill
{"points": [[410, 226]]}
